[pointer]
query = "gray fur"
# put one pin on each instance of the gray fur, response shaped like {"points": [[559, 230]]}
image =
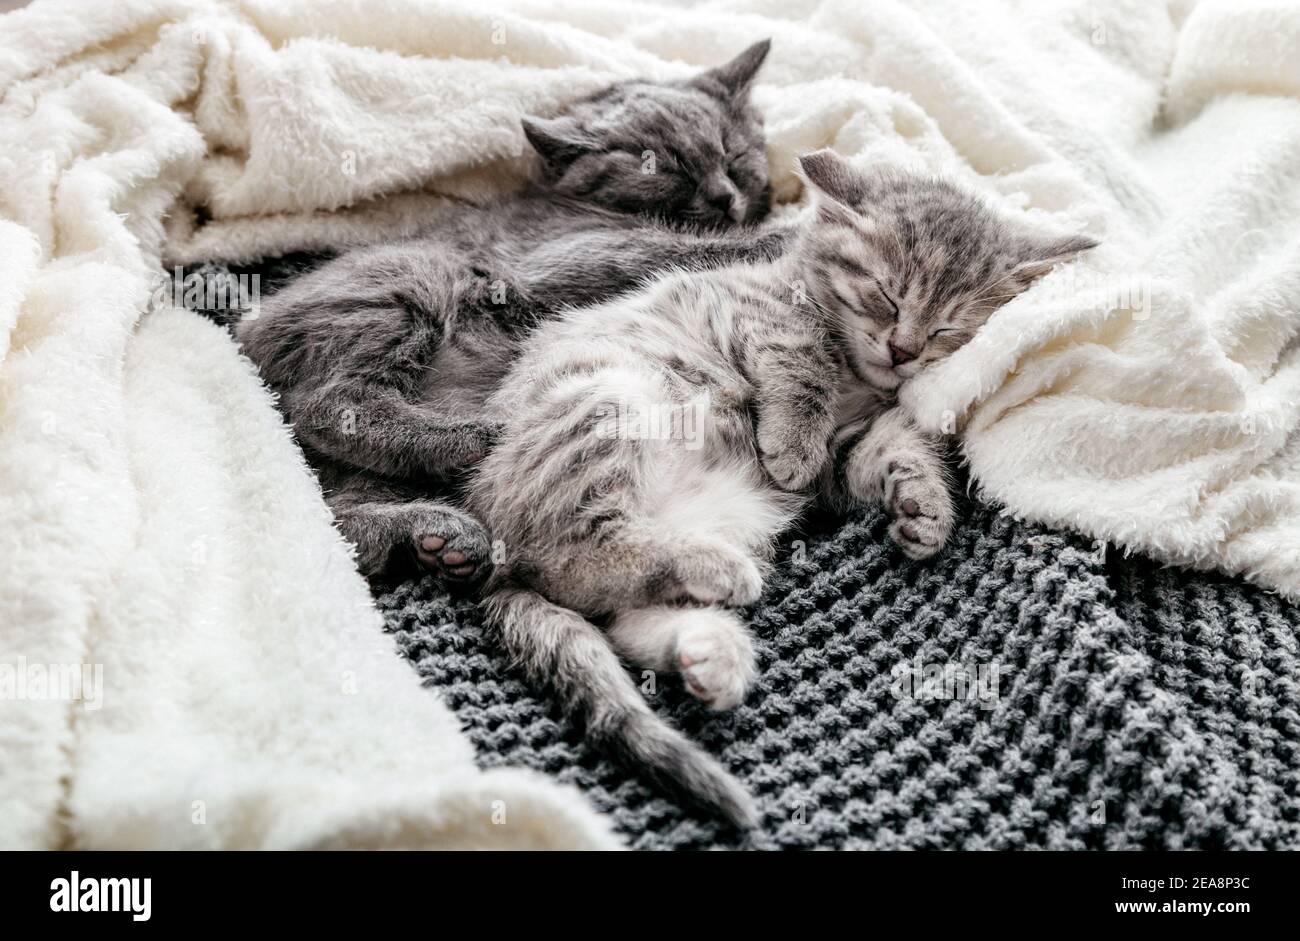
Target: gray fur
{"points": [[384, 357], [652, 448], [706, 145], [928, 264]]}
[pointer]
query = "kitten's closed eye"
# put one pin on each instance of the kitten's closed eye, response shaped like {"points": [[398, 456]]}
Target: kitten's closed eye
{"points": [[686, 151], [853, 268], [893, 305]]}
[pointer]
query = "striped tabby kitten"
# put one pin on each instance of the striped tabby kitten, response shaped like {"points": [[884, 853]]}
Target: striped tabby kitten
{"points": [[652, 448], [384, 357]]}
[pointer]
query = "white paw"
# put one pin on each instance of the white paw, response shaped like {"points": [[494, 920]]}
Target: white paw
{"points": [[716, 660], [921, 507]]}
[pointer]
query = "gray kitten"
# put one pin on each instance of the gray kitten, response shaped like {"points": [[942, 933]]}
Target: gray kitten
{"points": [[384, 357], [652, 448]]}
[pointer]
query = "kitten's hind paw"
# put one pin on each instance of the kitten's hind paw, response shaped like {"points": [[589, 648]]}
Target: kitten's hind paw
{"points": [[456, 549], [718, 575], [921, 507], [716, 658]]}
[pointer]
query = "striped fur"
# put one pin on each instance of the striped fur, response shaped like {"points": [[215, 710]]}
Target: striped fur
{"points": [[653, 447], [384, 357]]}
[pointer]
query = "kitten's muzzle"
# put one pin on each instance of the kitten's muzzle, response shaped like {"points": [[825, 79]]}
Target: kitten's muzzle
{"points": [[901, 352], [722, 197], [730, 206]]}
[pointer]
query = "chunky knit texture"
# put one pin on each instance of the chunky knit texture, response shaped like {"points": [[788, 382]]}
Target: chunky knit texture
{"points": [[1137, 708]]}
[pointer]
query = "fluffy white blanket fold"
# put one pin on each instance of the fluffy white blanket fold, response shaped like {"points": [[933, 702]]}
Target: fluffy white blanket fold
{"points": [[157, 523]]}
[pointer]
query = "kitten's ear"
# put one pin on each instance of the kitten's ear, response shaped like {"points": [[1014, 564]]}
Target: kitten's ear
{"points": [[836, 182], [1041, 253], [736, 76], [558, 141], [833, 175]]}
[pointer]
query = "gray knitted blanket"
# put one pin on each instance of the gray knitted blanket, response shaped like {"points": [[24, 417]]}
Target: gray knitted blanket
{"points": [[1018, 691]]}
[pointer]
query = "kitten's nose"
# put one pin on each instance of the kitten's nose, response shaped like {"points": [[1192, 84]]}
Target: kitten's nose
{"points": [[722, 196], [723, 201], [900, 353]]}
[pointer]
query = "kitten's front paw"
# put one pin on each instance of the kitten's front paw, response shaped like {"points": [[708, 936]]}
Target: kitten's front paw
{"points": [[792, 464], [918, 500], [471, 443], [717, 660]]}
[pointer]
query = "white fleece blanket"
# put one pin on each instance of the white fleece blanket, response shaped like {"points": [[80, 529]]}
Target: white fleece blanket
{"points": [[157, 524]]}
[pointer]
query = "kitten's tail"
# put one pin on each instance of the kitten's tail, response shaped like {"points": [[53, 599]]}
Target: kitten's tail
{"points": [[561, 647]]}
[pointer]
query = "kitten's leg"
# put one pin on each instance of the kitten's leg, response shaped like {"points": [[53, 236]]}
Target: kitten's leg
{"points": [[601, 265], [353, 349], [662, 248], [638, 567], [795, 409], [371, 426], [897, 465], [710, 647], [741, 246], [387, 528]]}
